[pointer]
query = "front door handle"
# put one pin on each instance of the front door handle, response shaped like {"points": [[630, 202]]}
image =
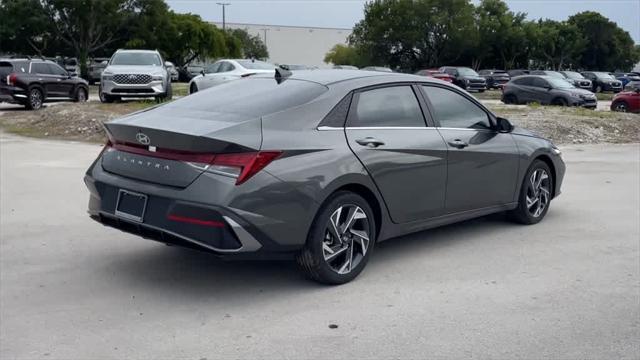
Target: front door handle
{"points": [[458, 144], [370, 142]]}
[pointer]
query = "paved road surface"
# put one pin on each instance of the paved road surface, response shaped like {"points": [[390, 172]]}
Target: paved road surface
{"points": [[566, 288]]}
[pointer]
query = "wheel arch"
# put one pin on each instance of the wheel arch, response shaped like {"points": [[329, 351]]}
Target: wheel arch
{"points": [[40, 87], [547, 160], [369, 197]]}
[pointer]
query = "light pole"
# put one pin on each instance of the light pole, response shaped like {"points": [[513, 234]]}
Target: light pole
{"points": [[224, 23], [265, 35]]}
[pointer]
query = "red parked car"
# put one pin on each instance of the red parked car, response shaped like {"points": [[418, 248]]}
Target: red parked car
{"points": [[435, 73], [627, 101]]}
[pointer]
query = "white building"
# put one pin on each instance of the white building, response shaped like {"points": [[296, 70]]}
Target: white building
{"points": [[295, 44]]}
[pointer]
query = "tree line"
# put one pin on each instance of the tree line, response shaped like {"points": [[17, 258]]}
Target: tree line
{"points": [[415, 34], [96, 28]]}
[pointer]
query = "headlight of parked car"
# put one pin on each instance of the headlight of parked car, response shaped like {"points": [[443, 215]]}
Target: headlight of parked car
{"points": [[107, 75]]}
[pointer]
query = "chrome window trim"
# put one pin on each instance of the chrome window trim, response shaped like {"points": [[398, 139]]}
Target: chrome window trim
{"points": [[332, 128]]}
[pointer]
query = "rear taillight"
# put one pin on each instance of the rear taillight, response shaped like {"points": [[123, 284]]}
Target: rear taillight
{"points": [[242, 166], [246, 164], [11, 79]]}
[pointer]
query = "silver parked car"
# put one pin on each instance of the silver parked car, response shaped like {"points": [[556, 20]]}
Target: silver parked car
{"points": [[135, 73], [317, 165], [227, 70]]}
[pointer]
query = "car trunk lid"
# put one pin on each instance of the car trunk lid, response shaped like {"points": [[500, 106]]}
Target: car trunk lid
{"points": [[174, 146]]}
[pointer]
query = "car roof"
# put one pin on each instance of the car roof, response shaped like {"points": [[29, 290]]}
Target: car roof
{"points": [[138, 50], [332, 76]]}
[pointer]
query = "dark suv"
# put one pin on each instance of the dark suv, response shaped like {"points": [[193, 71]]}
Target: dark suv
{"points": [[495, 78], [546, 90], [32, 82], [466, 78], [602, 81]]}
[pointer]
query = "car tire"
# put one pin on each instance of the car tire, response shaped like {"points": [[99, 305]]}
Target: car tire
{"points": [[337, 254], [559, 102], [510, 99], [620, 106], [535, 196], [105, 98], [167, 95], [81, 95], [193, 88], [35, 99]]}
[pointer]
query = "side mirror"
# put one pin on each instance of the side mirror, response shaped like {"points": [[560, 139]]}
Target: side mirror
{"points": [[637, 90], [504, 125], [167, 64], [202, 72]]}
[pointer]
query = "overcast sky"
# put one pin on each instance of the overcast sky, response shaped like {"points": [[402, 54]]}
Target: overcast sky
{"points": [[345, 13]]}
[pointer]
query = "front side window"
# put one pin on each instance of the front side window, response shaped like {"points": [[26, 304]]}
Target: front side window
{"points": [[226, 66], [388, 107], [57, 70], [453, 110], [213, 68]]}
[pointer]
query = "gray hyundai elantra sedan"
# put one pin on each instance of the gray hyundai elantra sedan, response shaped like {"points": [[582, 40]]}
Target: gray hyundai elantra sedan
{"points": [[317, 166]]}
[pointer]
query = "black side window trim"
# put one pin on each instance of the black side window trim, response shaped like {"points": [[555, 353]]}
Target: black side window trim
{"points": [[337, 117], [426, 116], [490, 115]]}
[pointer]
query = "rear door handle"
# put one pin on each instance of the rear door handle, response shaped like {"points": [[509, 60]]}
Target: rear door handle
{"points": [[458, 144], [370, 142]]}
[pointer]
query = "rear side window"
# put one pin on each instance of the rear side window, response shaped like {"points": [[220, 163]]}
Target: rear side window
{"points": [[527, 81], [453, 110], [540, 83], [387, 107], [252, 96], [40, 68]]}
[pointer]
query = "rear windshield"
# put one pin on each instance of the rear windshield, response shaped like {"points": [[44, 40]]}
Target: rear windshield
{"points": [[135, 58], [252, 96], [256, 65], [7, 67]]}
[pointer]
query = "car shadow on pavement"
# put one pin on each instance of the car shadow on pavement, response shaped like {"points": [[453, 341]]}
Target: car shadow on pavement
{"points": [[188, 272]]}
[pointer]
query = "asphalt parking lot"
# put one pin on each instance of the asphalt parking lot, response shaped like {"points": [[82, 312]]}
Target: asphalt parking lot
{"points": [[565, 288]]}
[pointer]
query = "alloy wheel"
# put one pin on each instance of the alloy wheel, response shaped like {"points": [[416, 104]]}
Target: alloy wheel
{"points": [[538, 192], [35, 99], [346, 239]]}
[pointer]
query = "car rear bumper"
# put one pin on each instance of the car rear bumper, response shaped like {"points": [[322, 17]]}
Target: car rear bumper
{"points": [[212, 214], [154, 88], [476, 86], [12, 94]]}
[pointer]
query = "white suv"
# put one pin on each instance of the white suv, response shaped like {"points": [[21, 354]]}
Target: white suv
{"points": [[135, 73]]}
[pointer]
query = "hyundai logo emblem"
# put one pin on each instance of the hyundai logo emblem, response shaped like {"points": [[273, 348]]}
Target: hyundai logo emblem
{"points": [[143, 138], [132, 77]]}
